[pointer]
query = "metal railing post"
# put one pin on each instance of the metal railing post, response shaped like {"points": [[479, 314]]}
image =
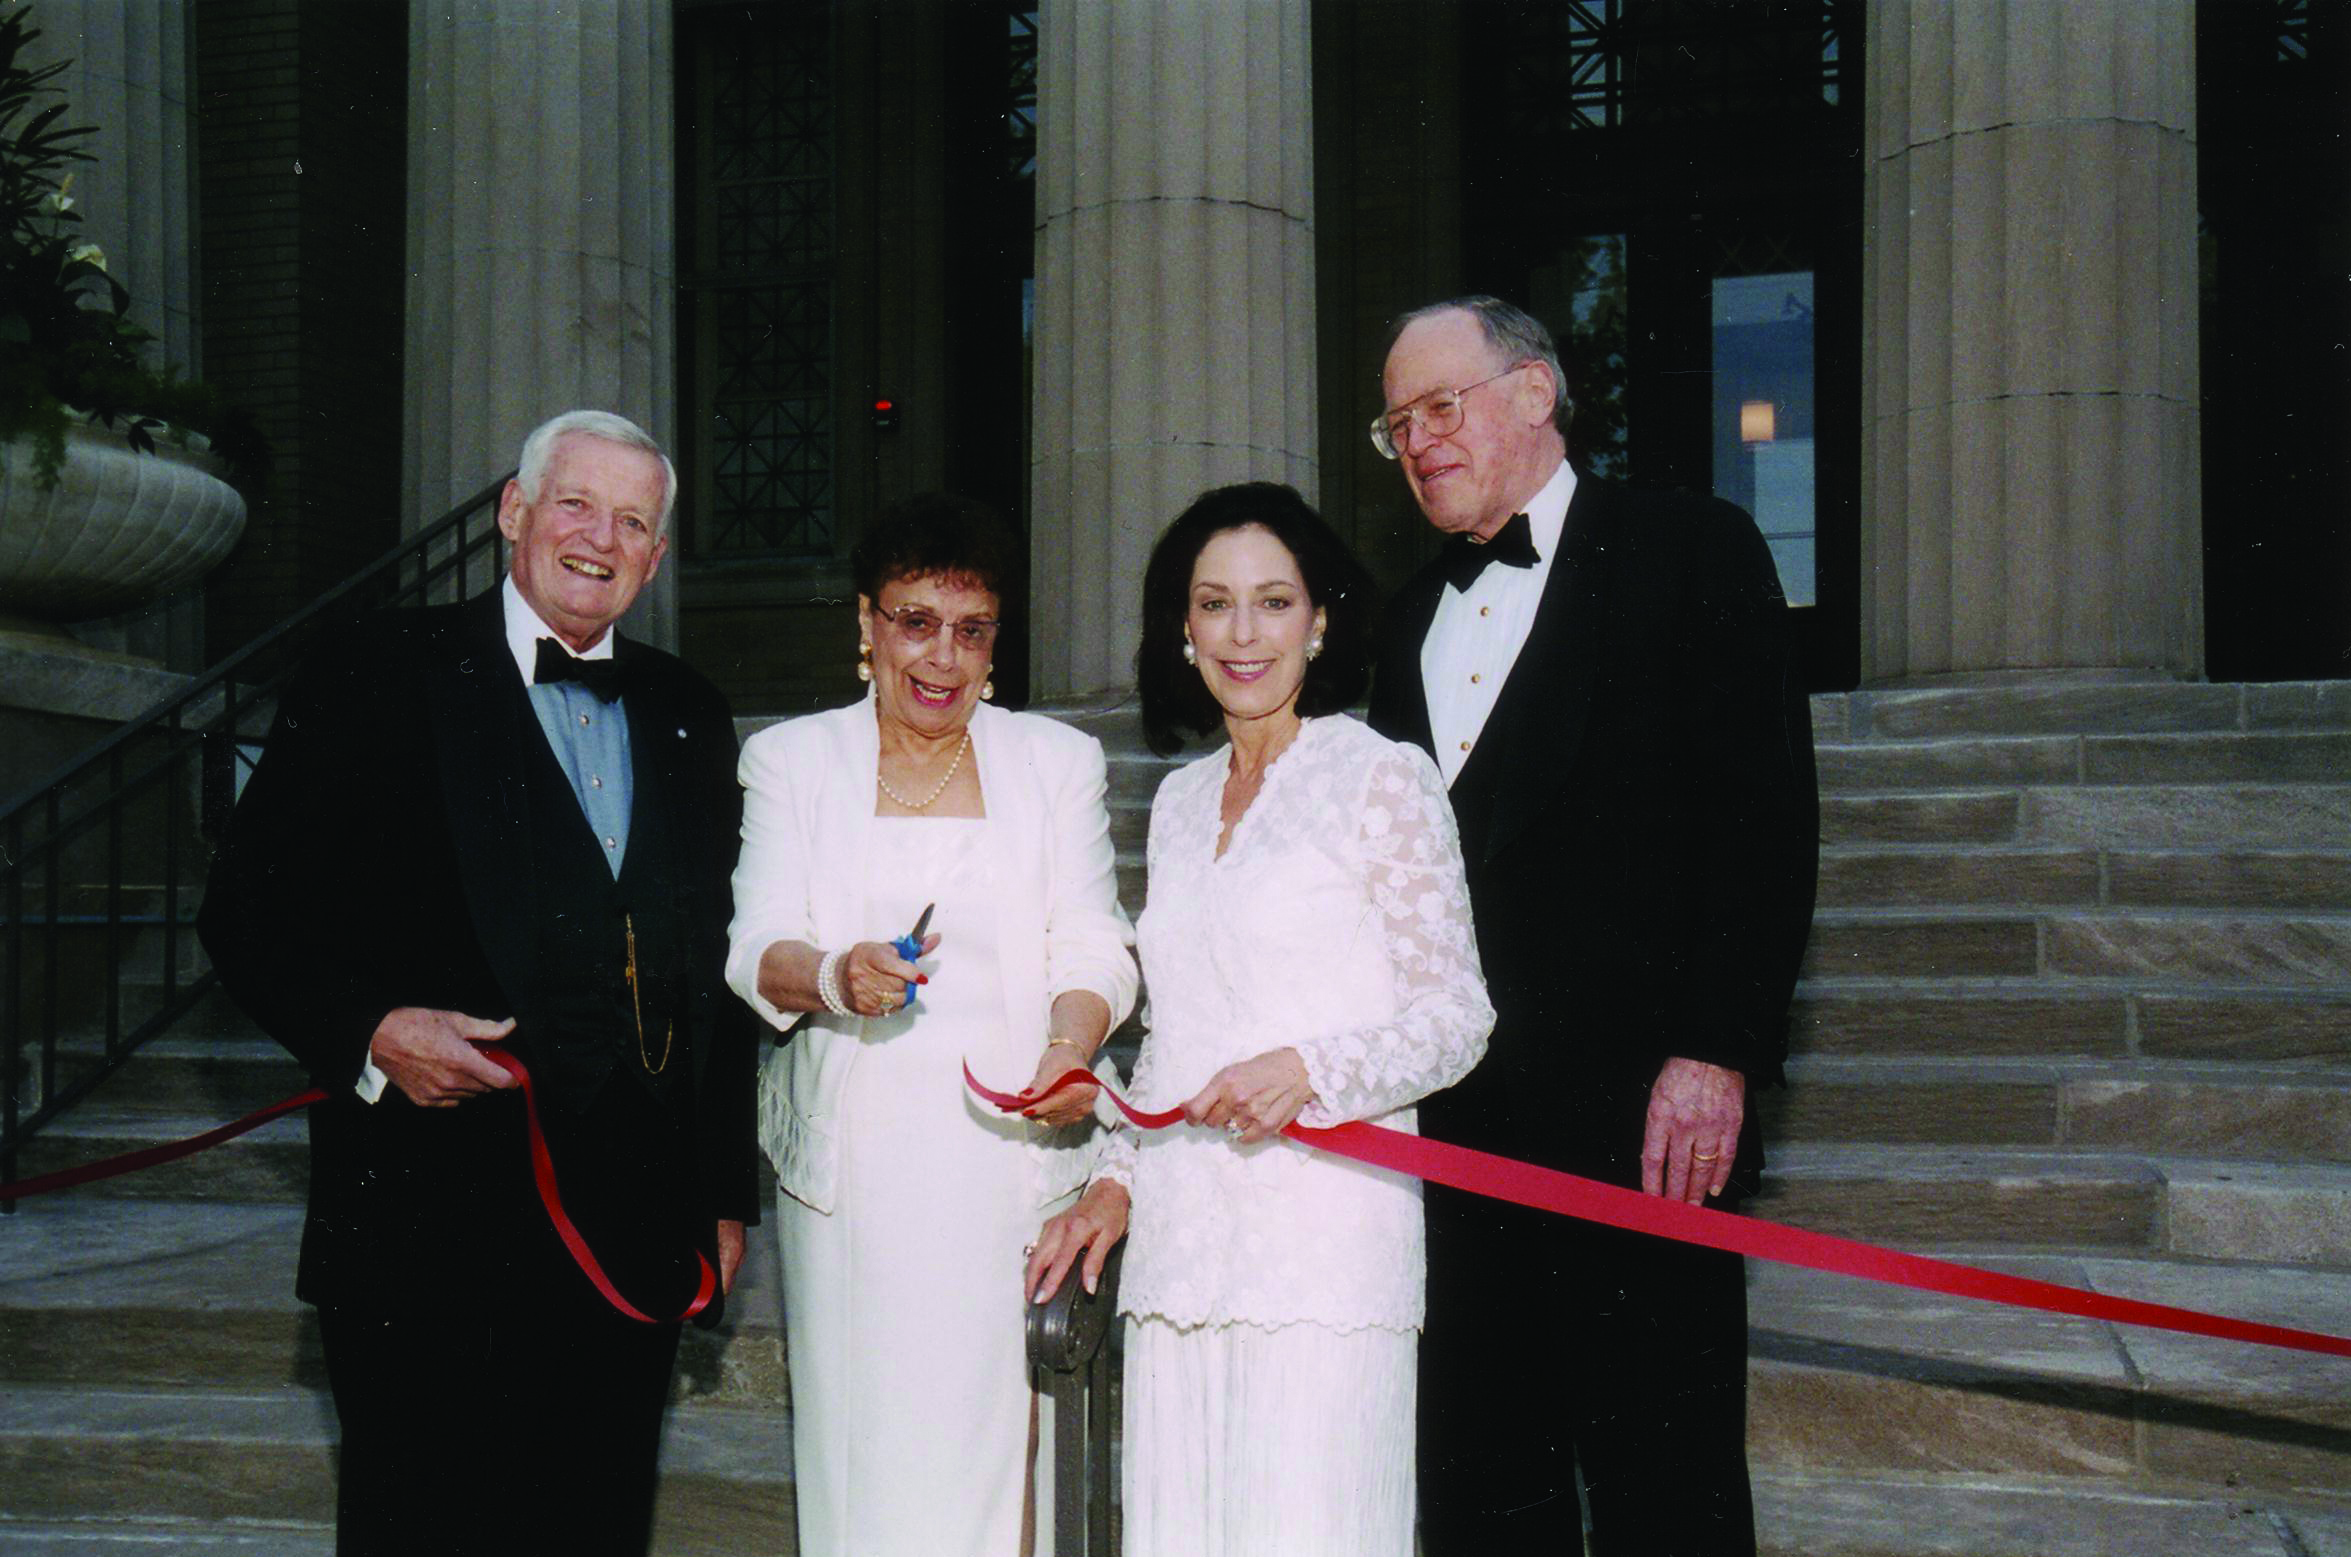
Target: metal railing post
{"points": [[1073, 1363]]}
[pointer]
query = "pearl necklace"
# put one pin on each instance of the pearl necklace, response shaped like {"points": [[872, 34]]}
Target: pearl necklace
{"points": [[937, 789]]}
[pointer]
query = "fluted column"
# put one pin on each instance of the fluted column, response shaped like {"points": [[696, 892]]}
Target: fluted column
{"points": [[129, 77], [1174, 333], [540, 237], [2030, 478]]}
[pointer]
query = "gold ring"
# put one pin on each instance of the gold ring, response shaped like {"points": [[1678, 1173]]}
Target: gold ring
{"points": [[1705, 1156]]}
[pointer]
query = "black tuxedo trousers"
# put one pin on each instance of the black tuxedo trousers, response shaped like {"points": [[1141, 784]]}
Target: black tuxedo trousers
{"points": [[1640, 822]]}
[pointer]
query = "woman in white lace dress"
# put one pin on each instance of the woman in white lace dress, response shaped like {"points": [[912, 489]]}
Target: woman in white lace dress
{"points": [[1307, 947]]}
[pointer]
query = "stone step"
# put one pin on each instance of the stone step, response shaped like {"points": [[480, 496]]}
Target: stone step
{"points": [[1924, 1196], [2158, 816], [2274, 879], [268, 1165], [1919, 876], [1855, 1377], [1849, 767], [1987, 761], [1827, 1515], [2050, 708], [111, 1537], [1987, 816], [2182, 946], [2283, 1114], [2051, 1018], [224, 1078], [1926, 875], [214, 1458], [1860, 943], [116, 1293]]}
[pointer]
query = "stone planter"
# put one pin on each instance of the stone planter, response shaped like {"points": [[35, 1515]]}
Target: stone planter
{"points": [[118, 530]]}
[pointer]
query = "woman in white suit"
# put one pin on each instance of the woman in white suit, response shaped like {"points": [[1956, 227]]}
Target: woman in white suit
{"points": [[903, 1205]]}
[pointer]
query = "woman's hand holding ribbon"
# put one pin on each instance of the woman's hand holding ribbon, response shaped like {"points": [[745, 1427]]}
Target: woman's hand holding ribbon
{"points": [[1254, 1099]]}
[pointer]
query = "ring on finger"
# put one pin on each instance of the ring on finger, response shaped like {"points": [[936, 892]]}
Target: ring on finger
{"points": [[1705, 1156]]}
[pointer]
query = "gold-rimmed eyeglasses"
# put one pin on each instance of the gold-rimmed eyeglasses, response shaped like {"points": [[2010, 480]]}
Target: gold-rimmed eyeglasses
{"points": [[916, 628], [1437, 414]]}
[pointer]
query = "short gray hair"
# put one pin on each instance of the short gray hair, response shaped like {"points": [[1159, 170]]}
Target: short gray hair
{"points": [[539, 448], [1510, 330]]}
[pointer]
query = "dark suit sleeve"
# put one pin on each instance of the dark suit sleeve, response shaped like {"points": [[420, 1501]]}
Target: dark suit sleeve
{"points": [[288, 878], [1398, 708], [1749, 833], [726, 1110]]}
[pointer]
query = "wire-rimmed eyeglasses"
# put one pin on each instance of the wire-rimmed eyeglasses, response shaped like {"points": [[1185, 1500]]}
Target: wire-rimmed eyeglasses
{"points": [[916, 627], [1437, 414]]}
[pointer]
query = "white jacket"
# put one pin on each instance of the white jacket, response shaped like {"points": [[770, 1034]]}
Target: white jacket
{"points": [[807, 826]]}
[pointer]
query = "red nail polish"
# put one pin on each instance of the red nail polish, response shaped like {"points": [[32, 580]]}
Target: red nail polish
{"points": [[922, 978]]}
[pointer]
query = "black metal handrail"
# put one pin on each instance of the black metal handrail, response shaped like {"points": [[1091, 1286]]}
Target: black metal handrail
{"points": [[1073, 1359], [148, 799]]}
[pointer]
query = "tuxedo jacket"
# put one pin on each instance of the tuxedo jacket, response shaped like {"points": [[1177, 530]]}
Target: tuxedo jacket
{"points": [[1641, 824], [392, 849]]}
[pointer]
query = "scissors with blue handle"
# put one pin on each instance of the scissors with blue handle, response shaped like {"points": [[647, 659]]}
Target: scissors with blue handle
{"points": [[909, 945]]}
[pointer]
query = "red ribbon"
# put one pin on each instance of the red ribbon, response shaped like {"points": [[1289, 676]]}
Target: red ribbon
{"points": [[542, 1171], [1547, 1189]]}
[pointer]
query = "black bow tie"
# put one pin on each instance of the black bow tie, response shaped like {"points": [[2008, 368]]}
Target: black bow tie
{"points": [[602, 677], [1513, 546]]}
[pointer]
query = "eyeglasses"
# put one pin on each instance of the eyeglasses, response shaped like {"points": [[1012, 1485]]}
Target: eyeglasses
{"points": [[916, 628], [1437, 414]]}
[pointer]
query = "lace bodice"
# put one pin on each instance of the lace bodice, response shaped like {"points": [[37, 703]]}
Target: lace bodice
{"points": [[1337, 923]]}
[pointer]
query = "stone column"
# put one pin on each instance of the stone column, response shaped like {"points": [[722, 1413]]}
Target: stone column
{"points": [[541, 227], [1174, 334], [2030, 494], [129, 77]]}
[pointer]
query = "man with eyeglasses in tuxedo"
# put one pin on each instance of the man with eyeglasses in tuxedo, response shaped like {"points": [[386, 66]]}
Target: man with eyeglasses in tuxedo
{"points": [[1604, 676]]}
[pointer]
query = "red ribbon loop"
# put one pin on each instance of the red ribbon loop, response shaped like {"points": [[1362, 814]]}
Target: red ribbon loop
{"points": [[1564, 1194]]}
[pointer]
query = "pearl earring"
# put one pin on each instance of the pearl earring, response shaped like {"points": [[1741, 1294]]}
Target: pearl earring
{"points": [[1191, 655], [1314, 647], [865, 662], [988, 685]]}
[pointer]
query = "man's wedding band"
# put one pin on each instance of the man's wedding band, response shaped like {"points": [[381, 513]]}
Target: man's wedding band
{"points": [[1704, 1156]]}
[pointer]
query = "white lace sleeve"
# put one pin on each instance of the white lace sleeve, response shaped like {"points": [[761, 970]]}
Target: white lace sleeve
{"points": [[1411, 858], [1114, 1156]]}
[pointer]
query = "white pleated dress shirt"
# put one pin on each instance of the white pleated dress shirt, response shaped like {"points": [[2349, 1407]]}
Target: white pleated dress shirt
{"points": [[1474, 639]]}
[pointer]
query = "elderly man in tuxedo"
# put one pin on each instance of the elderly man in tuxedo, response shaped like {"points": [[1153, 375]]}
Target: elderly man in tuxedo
{"points": [[499, 824], [1604, 678]]}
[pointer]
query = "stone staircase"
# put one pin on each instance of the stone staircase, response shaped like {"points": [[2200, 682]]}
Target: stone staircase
{"points": [[2078, 1006]]}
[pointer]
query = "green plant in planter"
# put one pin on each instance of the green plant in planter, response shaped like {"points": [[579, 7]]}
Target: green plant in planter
{"points": [[68, 350]]}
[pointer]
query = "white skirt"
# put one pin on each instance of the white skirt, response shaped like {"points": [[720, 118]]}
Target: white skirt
{"points": [[1290, 1441]]}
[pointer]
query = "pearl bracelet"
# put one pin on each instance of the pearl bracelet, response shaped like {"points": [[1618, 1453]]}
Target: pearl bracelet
{"points": [[828, 984]]}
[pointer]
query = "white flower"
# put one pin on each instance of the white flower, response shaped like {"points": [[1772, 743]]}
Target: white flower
{"points": [[88, 251]]}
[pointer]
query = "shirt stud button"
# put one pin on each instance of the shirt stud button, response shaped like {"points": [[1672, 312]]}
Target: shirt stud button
{"points": [[595, 781], [612, 843], [1476, 680], [1465, 745], [1485, 610], [583, 718]]}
